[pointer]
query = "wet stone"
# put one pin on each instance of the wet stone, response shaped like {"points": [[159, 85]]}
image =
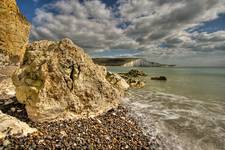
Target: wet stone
{"points": [[112, 130]]}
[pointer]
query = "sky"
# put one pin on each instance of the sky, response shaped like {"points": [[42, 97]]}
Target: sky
{"points": [[182, 32]]}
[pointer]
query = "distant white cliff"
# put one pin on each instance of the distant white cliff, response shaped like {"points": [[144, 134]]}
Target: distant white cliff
{"points": [[128, 62], [141, 63]]}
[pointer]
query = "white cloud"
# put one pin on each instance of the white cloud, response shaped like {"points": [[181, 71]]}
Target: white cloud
{"points": [[147, 24]]}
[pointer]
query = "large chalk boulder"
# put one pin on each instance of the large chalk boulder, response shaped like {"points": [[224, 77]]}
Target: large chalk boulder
{"points": [[57, 80]]}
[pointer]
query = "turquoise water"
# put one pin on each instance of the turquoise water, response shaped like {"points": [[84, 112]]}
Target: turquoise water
{"points": [[188, 110], [199, 83]]}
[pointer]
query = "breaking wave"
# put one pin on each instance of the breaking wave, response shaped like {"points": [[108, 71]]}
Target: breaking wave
{"points": [[183, 123]]}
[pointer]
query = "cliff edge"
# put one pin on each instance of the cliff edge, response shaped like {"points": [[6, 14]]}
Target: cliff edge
{"points": [[14, 32]]}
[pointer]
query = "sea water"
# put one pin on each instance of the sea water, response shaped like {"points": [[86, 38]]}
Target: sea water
{"points": [[187, 110]]}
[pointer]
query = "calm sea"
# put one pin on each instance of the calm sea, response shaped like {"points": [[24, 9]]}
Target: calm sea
{"points": [[188, 110]]}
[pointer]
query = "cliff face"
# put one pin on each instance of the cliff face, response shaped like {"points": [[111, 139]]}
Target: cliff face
{"points": [[14, 31], [141, 63], [126, 62], [113, 61]]}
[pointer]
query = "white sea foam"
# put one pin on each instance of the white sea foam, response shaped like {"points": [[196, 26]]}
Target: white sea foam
{"points": [[184, 123]]}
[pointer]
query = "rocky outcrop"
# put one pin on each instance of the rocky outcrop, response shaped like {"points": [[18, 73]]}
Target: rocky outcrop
{"points": [[135, 83], [134, 73], [117, 81], [57, 80], [132, 78], [14, 32], [12, 126], [161, 78]]}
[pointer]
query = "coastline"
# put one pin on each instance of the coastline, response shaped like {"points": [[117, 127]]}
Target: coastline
{"points": [[111, 75], [115, 129]]}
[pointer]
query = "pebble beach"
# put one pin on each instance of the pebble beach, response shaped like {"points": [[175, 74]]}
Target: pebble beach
{"points": [[112, 130]]}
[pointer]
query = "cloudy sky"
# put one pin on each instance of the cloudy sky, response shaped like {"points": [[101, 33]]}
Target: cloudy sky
{"points": [[184, 32]]}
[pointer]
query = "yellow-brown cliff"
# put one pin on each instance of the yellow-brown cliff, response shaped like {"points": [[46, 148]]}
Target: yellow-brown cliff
{"points": [[14, 31]]}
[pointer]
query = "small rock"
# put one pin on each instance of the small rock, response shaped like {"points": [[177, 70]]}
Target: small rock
{"points": [[58, 146], [34, 146], [19, 110], [6, 143], [114, 114], [40, 141], [123, 118], [13, 109], [99, 121], [10, 101], [107, 138], [63, 133], [162, 78]]}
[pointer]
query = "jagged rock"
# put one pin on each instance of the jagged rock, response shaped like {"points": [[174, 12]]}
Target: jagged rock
{"points": [[117, 81], [132, 78], [57, 80], [14, 33], [11, 126], [162, 78], [7, 89], [135, 83], [134, 73]]}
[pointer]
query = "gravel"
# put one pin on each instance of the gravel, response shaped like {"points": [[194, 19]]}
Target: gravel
{"points": [[112, 130]]}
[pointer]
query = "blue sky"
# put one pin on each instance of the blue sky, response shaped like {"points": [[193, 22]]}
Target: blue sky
{"points": [[214, 25], [28, 7], [174, 31]]}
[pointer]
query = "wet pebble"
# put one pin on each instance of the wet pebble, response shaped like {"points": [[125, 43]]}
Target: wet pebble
{"points": [[6, 143], [13, 109], [112, 130]]}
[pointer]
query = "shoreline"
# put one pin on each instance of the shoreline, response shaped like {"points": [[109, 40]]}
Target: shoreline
{"points": [[115, 129]]}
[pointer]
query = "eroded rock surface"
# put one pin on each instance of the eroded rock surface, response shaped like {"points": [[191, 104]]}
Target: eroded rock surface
{"points": [[134, 73], [7, 89], [57, 80], [14, 32], [11, 126], [132, 78], [135, 83], [117, 81]]}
